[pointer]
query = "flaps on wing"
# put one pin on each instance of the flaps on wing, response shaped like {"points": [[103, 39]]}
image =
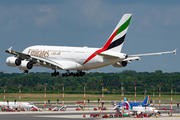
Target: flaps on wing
{"points": [[47, 62]]}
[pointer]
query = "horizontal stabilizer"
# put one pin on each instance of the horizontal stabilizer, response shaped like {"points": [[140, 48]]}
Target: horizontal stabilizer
{"points": [[112, 54]]}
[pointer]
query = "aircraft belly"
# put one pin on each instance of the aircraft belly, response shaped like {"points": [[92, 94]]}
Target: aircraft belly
{"points": [[99, 62], [70, 65]]}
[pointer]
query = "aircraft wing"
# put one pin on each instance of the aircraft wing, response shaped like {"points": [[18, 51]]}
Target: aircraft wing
{"points": [[159, 53], [19, 54], [42, 61], [137, 57]]}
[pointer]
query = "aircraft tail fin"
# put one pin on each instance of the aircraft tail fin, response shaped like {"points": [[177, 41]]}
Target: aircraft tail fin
{"points": [[128, 107], [116, 40], [146, 101]]}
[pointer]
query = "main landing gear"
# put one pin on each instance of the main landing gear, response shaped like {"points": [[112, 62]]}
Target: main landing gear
{"points": [[55, 73], [68, 73], [77, 74]]}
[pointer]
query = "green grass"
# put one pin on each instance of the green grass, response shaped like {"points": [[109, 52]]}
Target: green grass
{"points": [[77, 97]]}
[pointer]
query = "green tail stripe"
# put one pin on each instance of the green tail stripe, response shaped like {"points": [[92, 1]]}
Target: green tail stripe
{"points": [[123, 26]]}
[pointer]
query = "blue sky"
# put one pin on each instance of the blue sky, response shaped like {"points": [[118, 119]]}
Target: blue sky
{"points": [[154, 27]]}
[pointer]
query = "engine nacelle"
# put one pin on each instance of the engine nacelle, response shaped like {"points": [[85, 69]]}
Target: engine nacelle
{"points": [[120, 64], [124, 63], [25, 65], [13, 61]]}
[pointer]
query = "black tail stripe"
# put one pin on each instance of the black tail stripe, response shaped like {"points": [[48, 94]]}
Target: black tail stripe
{"points": [[116, 42]]}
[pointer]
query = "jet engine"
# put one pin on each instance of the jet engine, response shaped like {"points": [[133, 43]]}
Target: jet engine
{"points": [[120, 64], [13, 61], [25, 65]]}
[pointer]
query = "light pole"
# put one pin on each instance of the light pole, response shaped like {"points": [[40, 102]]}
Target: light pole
{"points": [[159, 95], [63, 95], [84, 94], [45, 96], [19, 96], [4, 95], [102, 93], [145, 94], [171, 99], [122, 98], [135, 93], [153, 100]]}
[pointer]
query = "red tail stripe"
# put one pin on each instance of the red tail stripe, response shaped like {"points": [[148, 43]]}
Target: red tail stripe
{"points": [[102, 49], [110, 40]]}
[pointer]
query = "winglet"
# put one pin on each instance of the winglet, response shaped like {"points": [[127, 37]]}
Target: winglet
{"points": [[174, 51], [10, 49]]}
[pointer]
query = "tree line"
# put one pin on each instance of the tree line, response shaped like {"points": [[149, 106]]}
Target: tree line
{"points": [[35, 82]]}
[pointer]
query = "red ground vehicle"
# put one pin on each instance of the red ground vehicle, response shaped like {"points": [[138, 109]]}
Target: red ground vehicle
{"points": [[145, 115], [34, 109], [165, 109], [102, 108], [11, 110], [95, 108], [117, 115], [105, 116], [78, 109], [140, 115], [94, 115]]}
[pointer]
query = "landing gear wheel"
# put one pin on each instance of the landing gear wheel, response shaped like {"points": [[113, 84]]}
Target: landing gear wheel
{"points": [[54, 73], [77, 74], [25, 71], [63, 75], [57, 73]]}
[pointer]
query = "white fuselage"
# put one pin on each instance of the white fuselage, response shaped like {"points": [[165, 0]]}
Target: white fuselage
{"points": [[148, 110], [72, 58], [14, 105]]}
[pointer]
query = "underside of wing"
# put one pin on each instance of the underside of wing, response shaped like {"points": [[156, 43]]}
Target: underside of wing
{"points": [[46, 62]]}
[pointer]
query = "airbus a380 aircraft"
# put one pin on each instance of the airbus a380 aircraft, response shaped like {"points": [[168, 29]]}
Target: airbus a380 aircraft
{"points": [[77, 58]]}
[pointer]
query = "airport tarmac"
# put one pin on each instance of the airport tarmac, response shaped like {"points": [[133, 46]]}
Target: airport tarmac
{"points": [[67, 115], [72, 114]]}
